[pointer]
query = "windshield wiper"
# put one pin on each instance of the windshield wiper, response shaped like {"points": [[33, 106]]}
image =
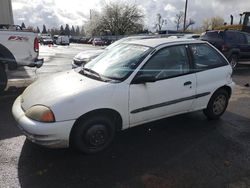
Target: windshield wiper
{"points": [[92, 72]]}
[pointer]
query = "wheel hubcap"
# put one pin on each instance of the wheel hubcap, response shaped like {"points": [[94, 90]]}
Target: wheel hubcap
{"points": [[96, 135], [219, 104]]}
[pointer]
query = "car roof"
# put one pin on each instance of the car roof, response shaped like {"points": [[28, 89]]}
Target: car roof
{"points": [[161, 41]]}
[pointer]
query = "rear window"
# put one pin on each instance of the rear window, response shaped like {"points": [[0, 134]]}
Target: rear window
{"points": [[214, 34]]}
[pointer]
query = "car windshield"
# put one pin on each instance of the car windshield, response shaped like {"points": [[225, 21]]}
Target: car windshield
{"points": [[117, 63], [116, 43]]}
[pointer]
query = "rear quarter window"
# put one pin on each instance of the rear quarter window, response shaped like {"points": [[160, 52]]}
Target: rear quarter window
{"points": [[205, 57], [214, 34]]}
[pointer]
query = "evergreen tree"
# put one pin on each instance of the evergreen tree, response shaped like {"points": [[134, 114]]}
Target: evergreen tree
{"points": [[62, 30], [44, 29], [67, 30], [72, 32], [77, 31], [23, 25], [37, 30]]}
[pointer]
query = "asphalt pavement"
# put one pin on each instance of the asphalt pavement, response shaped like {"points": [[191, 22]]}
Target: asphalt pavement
{"points": [[178, 152]]}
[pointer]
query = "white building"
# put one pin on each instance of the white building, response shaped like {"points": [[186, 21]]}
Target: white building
{"points": [[6, 14]]}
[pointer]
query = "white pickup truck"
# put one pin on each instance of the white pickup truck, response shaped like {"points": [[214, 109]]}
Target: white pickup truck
{"points": [[18, 47]]}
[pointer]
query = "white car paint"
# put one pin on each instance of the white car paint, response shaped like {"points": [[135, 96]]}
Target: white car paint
{"points": [[21, 45], [70, 95]]}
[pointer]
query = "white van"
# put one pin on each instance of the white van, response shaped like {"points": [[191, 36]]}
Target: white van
{"points": [[62, 40]]}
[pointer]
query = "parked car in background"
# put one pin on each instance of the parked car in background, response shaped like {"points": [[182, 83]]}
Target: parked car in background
{"points": [[131, 84], [55, 37], [62, 40], [84, 40], [90, 41], [98, 42], [235, 45], [84, 57], [46, 40], [18, 47]]}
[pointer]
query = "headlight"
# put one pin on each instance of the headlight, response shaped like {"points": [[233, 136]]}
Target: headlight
{"points": [[40, 113]]}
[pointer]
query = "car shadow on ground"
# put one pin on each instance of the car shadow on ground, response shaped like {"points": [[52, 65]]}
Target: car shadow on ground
{"points": [[182, 151], [8, 128]]}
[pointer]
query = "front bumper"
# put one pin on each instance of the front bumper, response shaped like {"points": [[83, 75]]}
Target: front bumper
{"points": [[37, 63], [52, 135]]}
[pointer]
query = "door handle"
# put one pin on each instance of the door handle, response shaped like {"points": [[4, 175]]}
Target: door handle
{"points": [[187, 83]]}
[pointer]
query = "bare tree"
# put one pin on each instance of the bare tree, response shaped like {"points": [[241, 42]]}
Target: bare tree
{"points": [[179, 18], [205, 24], [212, 23], [217, 21], [189, 23], [160, 22]]}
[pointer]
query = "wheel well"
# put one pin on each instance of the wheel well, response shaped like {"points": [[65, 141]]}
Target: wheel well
{"points": [[6, 57], [112, 114], [226, 88]]}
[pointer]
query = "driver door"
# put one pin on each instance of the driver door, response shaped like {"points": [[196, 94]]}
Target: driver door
{"points": [[172, 92]]}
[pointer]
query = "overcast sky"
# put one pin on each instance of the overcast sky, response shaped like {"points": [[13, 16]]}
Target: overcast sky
{"points": [[54, 13]]}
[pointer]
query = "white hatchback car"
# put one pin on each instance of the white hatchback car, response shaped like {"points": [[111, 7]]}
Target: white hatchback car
{"points": [[134, 83]]}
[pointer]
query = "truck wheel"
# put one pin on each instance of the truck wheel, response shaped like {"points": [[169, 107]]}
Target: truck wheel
{"points": [[217, 104], [233, 60], [93, 134], [3, 79]]}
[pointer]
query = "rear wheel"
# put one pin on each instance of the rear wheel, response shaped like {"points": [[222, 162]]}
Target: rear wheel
{"points": [[93, 134], [217, 104], [233, 60], [3, 78]]}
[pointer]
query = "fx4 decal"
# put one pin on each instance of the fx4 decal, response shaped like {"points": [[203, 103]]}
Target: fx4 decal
{"points": [[18, 38]]}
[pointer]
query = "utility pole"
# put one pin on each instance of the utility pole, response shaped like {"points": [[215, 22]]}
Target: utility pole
{"points": [[6, 14], [185, 16]]}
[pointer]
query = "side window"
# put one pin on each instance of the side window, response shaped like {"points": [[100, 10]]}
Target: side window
{"points": [[205, 57], [231, 37], [166, 63], [241, 38]]}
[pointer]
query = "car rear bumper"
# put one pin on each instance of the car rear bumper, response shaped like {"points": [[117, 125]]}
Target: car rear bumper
{"points": [[52, 135]]}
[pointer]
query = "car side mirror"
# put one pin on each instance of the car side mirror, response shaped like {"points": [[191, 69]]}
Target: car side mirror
{"points": [[142, 79]]}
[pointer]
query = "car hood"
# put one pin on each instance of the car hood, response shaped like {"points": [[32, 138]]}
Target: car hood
{"points": [[89, 54], [59, 89]]}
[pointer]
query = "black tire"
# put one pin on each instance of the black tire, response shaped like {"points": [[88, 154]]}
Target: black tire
{"points": [[3, 78], [217, 104], [93, 134], [233, 60]]}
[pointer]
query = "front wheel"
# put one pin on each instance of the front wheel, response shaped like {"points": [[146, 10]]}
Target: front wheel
{"points": [[93, 135], [3, 78], [217, 104]]}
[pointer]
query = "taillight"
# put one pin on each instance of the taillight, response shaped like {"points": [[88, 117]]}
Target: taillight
{"points": [[36, 45]]}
